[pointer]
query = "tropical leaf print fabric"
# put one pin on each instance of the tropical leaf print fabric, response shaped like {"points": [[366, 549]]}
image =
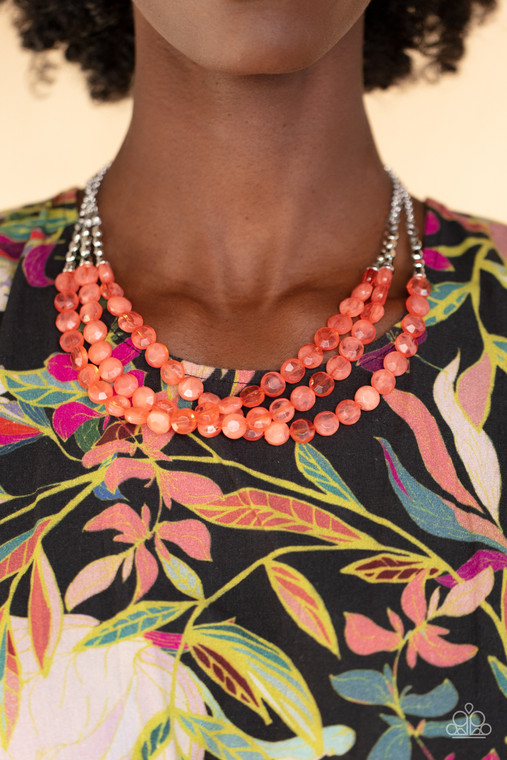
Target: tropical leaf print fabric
{"points": [[180, 597]]}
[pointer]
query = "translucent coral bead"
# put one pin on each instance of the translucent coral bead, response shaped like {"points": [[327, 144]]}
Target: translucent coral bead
{"points": [[91, 311], [302, 431], [339, 367], [116, 405], [95, 331], [326, 338], [79, 358], [105, 272], [207, 413], [184, 421], [68, 320], [166, 404], [341, 323], [326, 423], [230, 405], [143, 336], [273, 384], [137, 415], [172, 372], [373, 312], [396, 363], [348, 412], [370, 275], [419, 286], [351, 307], [351, 348], [210, 398], [99, 351], [367, 397], [156, 354], [383, 381], [100, 392], [321, 383], [71, 339], [90, 292], [364, 331], [413, 325], [253, 435], [252, 396], [117, 305], [379, 295], [110, 369], [190, 388], [111, 289], [126, 384], [209, 431], [66, 300], [129, 321], [292, 370], [258, 418], [310, 355], [302, 398], [406, 344], [143, 397], [362, 291], [384, 277], [86, 274], [66, 281], [234, 425], [158, 421], [417, 305], [88, 376], [282, 410], [277, 433]]}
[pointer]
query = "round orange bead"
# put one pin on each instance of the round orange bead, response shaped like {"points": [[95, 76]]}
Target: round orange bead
{"points": [[351, 348], [209, 431], [166, 404], [282, 410], [273, 384], [105, 272], [383, 381], [362, 291], [116, 405], [100, 391], [158, 421], [252, 396], [88, 376], [302, 431], [156, 354], [396, 363], [326, 338], [310, 356], [184, 421], [89, 293], [341, 323], [338, 367], [86, 274], [419, 286], [66, 281], [110, 289], [137, 415], [99, 351], [117, 304], [277, 433], [367, 397], [95, 331], [68, 320], [143, 397], [253, 435], [126, 384], [292, 370], [234, 425], [143, 336], [190, 388], [370, 274], [79, 357], [90, 311], [258, 418], [302, 398], [322, 384], [326, 423], [211, 398], [413, 325], [406, 344], [364, 331], [71, 339], [207, 412], [130, 321], [230, 405], [110, 369], [351, 307], [417, 305], [348, 412], [379, 295], [172, 372], [373, 312], [384, 277], [66, 300]]}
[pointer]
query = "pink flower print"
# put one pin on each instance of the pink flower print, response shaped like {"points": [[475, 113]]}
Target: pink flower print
{"points": [[363, 636]]}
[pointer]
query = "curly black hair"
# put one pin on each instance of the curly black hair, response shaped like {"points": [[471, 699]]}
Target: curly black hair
{"points": [[99, 36]]}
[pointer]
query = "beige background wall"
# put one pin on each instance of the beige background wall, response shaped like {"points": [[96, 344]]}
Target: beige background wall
{"points": [[448, 141]]}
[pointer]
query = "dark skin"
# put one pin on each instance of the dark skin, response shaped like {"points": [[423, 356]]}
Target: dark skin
{"points": [[248, 196]]}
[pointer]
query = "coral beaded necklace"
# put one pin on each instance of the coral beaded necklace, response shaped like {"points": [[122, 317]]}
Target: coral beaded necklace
{"points": [[91, 284]]}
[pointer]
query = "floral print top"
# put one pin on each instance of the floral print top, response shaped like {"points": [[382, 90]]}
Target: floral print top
{"points": [[182, 597]]}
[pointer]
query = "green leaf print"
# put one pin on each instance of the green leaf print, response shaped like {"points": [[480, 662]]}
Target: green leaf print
{"points": [[393, 744], [316, 468], [445, 300], [337, 742], [40, 388], [500, 673], [88, 434], [221, 738], [155, 736], [367, 687], [436, 702], [181, 575]]}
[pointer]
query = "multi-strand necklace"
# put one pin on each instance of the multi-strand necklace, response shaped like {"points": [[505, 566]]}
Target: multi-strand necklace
{"points": [[266, 411]]}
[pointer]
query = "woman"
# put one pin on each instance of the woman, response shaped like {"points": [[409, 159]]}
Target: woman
{"points": [[335, 583]]}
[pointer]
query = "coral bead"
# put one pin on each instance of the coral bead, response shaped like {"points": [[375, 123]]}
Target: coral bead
{"points": [[158, 421], [310, 356], [234, 425], [277, 433], [258, 418], [370, 274], [126, 384], [86, 274], [379, 295], [351, 307], [282, 410], [66, 281], [79, 358], [395, 363], [184, 421], [143, 397], [207, 413], [105, 272], [89, 293], [110, 369], [129, 321], [190, 388], [326, 423], [88, 376], [230, 405], [273, 384], [419, 286], [172, 372], [143, 336], [321, 383], [362, 291], [111, 289], [302, 431], [417, 305], [137, 415], [406, 344], [252, 396], [156, 354], [413, 325], [302, 398], [373, 312], [117, 305], [338, 367], [100, 392], [341, 323], [348, 412], [209, 431], [367, 397], [364, 331], [253, 435], [211, 398], [292, 370], [95, 331], [68, 320], [99, 351], [326, 338], [90, 311], [351, 348], [66, 300], [383, 381], [71, 339], [384, 277], [166, 404], [116, 405]]}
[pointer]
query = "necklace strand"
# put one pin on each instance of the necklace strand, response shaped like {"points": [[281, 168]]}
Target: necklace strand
{"points": [[87, 283]]}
